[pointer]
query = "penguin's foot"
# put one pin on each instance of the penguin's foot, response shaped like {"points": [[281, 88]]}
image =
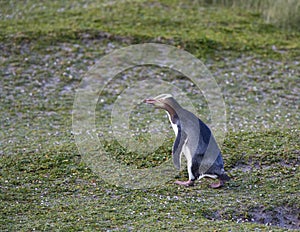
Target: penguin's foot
{"points": [[217, 185], [185, 183]]}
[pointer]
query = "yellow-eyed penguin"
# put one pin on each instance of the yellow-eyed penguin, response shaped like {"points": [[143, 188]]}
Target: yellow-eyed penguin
{"points": [[195, 140]]}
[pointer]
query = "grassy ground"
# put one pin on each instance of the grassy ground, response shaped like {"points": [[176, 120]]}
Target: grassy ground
{"points": [[47, 47]]}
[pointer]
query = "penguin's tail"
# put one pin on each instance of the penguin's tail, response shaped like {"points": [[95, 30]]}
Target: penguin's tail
{"points": [[224, 177]]}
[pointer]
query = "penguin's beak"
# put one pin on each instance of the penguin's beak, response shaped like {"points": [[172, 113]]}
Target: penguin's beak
{"points": [[156, 102], [150, 101]]}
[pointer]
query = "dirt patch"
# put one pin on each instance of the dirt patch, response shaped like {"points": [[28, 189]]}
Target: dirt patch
{"points": [[284, 217], [280, 216]]}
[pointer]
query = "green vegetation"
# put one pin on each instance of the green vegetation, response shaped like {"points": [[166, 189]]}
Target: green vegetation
{"points": [[285, 14], [45, 50]]}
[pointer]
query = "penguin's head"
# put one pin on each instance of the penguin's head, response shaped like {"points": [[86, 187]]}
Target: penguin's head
{"points": [[168, 103], [160, 101]]}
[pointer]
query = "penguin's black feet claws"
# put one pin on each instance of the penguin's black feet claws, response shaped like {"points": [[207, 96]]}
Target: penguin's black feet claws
{"points": [[185, 183]]}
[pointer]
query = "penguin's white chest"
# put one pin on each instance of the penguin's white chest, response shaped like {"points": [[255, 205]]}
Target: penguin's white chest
{"points": [[188, 155], [187, 152], [174, 126]]}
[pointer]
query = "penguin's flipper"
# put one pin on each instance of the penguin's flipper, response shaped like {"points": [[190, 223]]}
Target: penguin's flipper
{"points": [[177, 147]]}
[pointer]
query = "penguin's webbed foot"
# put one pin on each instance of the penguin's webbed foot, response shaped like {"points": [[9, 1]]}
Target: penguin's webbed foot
{"points": [[185, 183], [217, 185]]}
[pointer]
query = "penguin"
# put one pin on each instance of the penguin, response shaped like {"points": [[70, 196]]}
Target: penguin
{"points": [[195, 140]]}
